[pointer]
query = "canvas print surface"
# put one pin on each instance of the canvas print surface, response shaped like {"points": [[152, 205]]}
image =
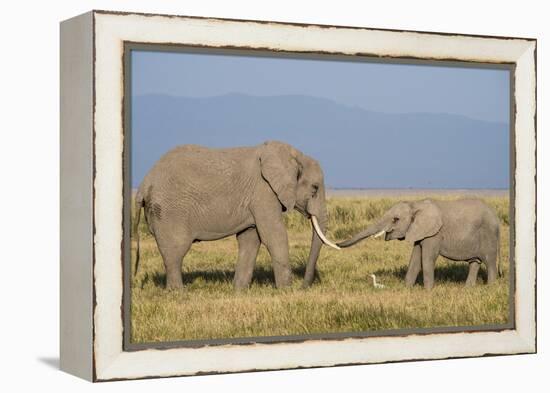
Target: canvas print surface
{"points": [[285, 196]]}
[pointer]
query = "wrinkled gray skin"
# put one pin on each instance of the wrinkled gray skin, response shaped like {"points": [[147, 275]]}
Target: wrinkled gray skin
{"points": [[194, 193], [461, 230]]}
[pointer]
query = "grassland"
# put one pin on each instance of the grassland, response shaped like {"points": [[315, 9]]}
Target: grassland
{"points": [[342, 299]]}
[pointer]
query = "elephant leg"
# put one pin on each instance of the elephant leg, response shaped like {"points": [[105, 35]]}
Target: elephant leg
{"points": [[472, 273], [272, 231], [277, 245], [249, 244], [415, 264], [430, 252], [172, 256], [491, 263]]}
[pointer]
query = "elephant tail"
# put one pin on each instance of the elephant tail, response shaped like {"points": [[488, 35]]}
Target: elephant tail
{"points": [[138, 204]]}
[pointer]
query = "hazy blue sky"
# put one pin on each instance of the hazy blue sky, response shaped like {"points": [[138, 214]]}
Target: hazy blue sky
{"points": [[395, 88], [478, 94]]}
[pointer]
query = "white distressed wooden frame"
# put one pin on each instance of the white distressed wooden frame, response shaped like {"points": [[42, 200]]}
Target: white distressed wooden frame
{"points": [[92, 90]]}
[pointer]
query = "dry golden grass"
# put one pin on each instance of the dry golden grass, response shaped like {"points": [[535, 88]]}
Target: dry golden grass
{"points": [[342, 299]]}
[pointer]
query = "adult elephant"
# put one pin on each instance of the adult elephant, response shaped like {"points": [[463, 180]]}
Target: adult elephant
{"points": [[194, 193]]}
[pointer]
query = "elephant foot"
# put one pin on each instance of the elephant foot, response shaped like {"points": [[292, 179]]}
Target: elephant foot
{"points": [[491, 276], [242, 280], [174, 285], [283, 283], [306, 285], [241, 286], [283, 276]]}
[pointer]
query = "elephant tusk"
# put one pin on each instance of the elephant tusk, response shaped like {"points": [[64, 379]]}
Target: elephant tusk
{"points": [[381, 233], [321, 235]]}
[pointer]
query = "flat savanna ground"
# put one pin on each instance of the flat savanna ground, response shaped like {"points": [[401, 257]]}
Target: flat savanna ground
{"points": [[342, 299]]}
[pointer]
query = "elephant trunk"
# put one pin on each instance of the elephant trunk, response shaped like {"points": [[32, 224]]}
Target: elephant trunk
{"points": [[375, 230], [319, 219], [316, 244]]}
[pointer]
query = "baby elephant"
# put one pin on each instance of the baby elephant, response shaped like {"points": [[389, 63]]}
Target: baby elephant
{"points": [[461, 230]]}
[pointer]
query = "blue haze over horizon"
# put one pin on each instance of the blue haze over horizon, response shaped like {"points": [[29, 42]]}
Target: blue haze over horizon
{"points": [[370, 125]]}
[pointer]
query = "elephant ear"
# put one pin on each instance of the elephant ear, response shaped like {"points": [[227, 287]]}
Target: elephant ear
{"points": [[426, 221], [280, 169]]}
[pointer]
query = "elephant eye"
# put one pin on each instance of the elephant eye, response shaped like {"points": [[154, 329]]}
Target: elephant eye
{"points": [[395, 219], [315, 189]]}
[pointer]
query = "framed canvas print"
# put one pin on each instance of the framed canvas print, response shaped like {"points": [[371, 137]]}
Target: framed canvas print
{"points": [[246, 195]]}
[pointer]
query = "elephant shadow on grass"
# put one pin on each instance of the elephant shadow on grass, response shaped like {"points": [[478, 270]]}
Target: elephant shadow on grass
{"points": [[455, 272], [262, 275]]}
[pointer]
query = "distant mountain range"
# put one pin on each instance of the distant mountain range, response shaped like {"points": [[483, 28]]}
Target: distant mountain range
{"points": [[357, 148]]}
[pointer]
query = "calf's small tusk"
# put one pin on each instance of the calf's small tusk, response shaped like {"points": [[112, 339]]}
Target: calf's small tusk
{"points": [[321, 235], [379, 234]]}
